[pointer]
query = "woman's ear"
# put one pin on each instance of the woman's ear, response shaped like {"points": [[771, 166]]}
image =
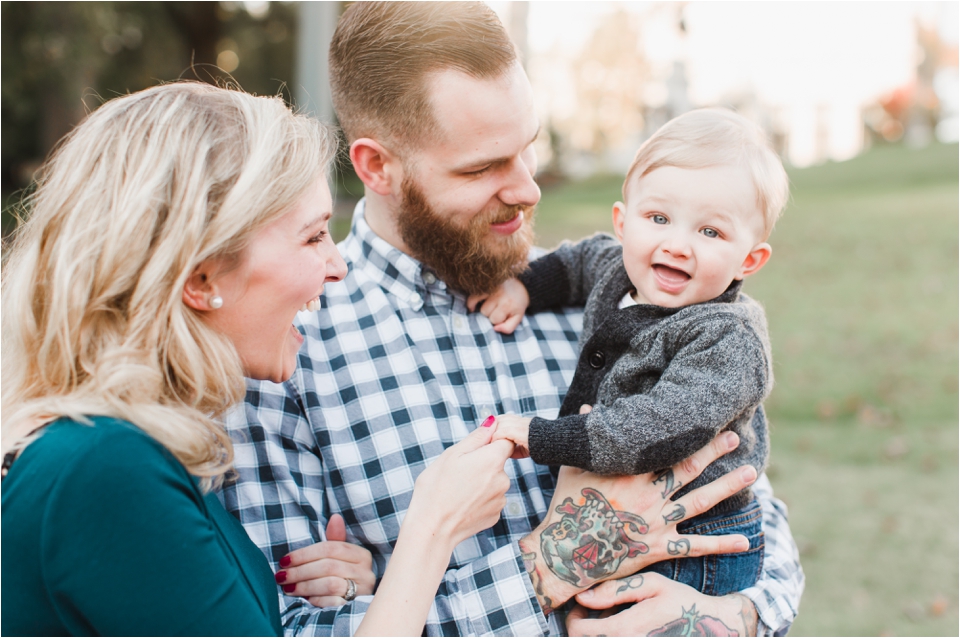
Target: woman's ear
{"points": [[375, 165], [619, 210], [198, 289], [755, 260]]}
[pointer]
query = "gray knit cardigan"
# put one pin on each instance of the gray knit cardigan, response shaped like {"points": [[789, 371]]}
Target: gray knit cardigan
{"points": [[663, 382]]}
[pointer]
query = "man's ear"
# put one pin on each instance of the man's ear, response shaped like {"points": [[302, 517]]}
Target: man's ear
{"points": [[755, 260], [198, 289], [375, 165], [619, 211]]}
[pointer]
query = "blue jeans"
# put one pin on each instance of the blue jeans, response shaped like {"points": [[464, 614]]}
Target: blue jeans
{"points": [[718, 575]]}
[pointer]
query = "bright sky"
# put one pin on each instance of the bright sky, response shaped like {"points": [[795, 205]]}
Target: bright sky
{"points": [[802, 57]]}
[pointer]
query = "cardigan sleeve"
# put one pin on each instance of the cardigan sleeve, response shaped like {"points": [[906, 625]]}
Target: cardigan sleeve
{"points": [[566, 276], [718, 374], [128, 548]]}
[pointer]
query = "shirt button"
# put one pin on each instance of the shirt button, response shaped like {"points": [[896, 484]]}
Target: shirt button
{"points": [[416, 301], [429, 278], [513, 508], [458, 322], [597, 359]]}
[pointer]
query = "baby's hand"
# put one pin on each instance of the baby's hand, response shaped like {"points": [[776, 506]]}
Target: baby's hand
{"points": [[516, 429], [504, 307]]}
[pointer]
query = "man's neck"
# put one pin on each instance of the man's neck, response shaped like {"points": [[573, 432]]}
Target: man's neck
{"points": [[380, 213]]}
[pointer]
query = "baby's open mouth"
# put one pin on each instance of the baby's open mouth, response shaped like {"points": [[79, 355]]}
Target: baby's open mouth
{"points": [[670, 275]]}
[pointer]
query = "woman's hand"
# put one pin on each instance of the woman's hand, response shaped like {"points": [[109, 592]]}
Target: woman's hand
{"points": [[319, 572], [461, 493], [464, 490], [603, 527], [663, 607]]}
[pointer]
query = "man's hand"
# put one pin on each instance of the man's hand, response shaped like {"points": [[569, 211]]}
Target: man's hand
{"points": [[603, 527], [663, 608]]}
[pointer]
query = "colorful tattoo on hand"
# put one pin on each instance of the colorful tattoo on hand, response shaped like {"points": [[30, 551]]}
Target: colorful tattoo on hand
{"points": [[692, 623], [670, 483], [530, 564], [634, 582], [678, 548], [590, 542], [677, 514]]}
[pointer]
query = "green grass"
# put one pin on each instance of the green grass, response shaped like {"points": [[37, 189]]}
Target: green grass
{"points": [[862, 299]]}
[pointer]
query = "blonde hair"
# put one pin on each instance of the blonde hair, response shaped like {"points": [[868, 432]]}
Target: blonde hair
{"points": [[140, 193], [711, 137]]}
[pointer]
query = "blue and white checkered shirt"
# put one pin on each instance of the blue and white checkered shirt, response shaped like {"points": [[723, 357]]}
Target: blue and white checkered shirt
{"points": [[394, 370]]}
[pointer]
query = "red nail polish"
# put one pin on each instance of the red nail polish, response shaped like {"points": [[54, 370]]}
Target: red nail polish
{"points": [[289, 588], [488, 421], [280, 577], [285, 561]]}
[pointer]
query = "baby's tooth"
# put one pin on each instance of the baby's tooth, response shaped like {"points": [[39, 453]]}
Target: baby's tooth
{"points": [[303, 308]]}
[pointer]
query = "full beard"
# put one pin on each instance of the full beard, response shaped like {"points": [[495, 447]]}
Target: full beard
{"points": [[472, 259]]}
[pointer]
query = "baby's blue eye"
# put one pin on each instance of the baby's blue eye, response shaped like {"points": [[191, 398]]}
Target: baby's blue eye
{"points": [[659, 219], [709, 232]]}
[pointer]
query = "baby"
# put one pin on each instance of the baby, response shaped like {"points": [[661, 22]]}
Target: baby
{"points": [[672, 352]]}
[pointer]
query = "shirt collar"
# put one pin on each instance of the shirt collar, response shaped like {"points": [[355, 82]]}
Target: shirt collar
{"points": [[392, 269]]}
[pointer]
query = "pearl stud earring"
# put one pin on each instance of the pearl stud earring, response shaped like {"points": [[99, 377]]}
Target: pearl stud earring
{"points": [[216, 301]]}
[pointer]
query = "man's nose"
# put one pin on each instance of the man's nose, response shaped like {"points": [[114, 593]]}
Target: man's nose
{"points": [[520, 189]]}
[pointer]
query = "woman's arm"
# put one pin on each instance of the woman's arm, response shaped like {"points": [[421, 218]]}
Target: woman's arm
{"points": [[129, 548], [458, 495]]}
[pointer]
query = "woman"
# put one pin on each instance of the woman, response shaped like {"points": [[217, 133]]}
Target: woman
{"points": [[173, 237]]}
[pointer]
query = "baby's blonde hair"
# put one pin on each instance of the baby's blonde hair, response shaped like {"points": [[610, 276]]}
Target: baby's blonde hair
{"points": [[133, 199], [711, 137]]}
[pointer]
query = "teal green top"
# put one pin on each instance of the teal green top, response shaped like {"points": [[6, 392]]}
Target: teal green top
{"points": [[106, 533]]}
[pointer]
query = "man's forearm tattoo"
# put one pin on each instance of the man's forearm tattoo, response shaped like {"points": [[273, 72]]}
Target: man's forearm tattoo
{"points": [[677, 514], [590, 542], [678, 548], [530, 564], [748, 614], [670, 483], [693, 623], [634, 582]]}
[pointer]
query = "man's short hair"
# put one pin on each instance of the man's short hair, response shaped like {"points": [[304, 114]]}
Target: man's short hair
{"points": [[382, 53], [711, 137]]}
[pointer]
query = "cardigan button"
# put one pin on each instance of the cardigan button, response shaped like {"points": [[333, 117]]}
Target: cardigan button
{"points": [[597, 360]]}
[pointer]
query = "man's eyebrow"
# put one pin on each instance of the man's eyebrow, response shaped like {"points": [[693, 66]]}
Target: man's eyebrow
{"points": [[319, 219], [495, 160]]}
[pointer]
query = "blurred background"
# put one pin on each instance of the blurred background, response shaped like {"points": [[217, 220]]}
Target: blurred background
{"points": [[861, 101]]}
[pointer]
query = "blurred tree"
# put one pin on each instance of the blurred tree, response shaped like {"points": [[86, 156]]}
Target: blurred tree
{"points": [[61, 60], [609, 77]]}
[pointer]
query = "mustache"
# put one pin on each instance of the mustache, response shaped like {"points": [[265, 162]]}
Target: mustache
{"points": [[506, 213]]}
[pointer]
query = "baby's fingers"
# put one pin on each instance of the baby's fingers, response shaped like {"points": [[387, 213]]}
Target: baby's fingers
{"points": [[508, 326], [475, 300]]}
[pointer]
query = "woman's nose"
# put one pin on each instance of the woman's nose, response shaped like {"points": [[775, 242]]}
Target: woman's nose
{"points": [[336, 266]]}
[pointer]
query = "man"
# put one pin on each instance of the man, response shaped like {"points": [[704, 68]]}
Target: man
{"points": [[441, 123]]}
